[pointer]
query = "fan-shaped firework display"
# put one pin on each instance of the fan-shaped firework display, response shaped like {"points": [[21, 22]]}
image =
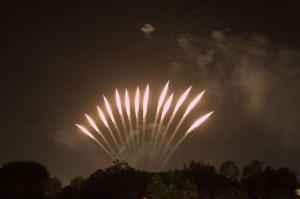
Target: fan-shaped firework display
{"points": [[132, 136]]}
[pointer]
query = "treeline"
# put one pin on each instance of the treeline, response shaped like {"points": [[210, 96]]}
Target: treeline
{"points": [[197, 180]]}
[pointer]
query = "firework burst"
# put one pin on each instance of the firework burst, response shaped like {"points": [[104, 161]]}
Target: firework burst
{"points": [[147, 145]]}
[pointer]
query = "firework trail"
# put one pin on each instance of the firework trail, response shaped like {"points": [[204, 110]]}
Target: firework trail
{"points": [[102, 116], [145, 104], [119, 106], [186, 113], [164, 112], [137, 128], [95, 139], [154, 133], [196, 124], [178, 105], [146, 146]]}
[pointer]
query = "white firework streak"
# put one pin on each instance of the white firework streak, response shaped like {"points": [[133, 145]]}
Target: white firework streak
{"points": [[145, 104], [127, 145], [84, 130], [154, 132], [178, 105], [164, 112], [196, 124], [137, 146], [110, 113], [186, 113], [92, 123]]}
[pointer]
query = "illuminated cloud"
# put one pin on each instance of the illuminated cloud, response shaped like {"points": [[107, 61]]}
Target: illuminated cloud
{"points": [[251, 77], [147, 29]]}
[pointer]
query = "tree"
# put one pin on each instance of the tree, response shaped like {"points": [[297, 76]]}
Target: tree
{"points": [[171, 186], [203, 175], [228, 176], [70, 192], [23, 179], [156, 187], [189, 190], [76, 182], [119, 181], [253, 179], [254, 168], [229, 170], [280, 183], [52, 188]]}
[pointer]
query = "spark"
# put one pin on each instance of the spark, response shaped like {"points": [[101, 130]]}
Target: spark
{"points": [[102, 116], [188, 110], [193, 104], [196, 124], [108, 108], [161, 99], [164, 112], [119, 106], [84, 130], [178, 105], [136, 108], [91, 121], [145, 104], [131, 133], [137, 146], [127, 106]]}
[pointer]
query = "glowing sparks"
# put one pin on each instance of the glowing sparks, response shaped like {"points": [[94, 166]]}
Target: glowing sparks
{"points": [[91, 121], [118, 100], [145, 102], [198, 122], [137, 101], [181, 99], [102, 116], [166, 107], [127, 103], [162, 96], [160, 102], [138, 147], [193, 103], [108, 108], [84, 130]]}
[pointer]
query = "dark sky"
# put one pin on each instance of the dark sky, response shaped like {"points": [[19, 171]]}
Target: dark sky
{"points": [[59, 57]]}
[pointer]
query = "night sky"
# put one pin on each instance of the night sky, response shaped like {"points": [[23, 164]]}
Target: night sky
{"points": [[59, 57]]}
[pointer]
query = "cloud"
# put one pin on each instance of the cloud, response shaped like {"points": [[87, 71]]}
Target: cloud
{"points": [[148, 29], [250, 81]]}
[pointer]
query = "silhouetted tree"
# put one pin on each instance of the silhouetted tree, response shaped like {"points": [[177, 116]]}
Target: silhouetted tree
{"points": [[204, 176], [20, 179], [76, 182], [119, 181], [171, 186], [228, 180], [52, 188], [253, 179], [280, 183], [230, 171], [267, 182], [70, 192], [189, 190], [156, 187]]}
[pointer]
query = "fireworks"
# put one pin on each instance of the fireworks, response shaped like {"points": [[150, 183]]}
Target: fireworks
{"points": [[147, 145]]}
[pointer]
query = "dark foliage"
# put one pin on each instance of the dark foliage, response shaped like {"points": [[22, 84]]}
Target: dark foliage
{"points": [[27, 180], [119, 181], [196, 180]]}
